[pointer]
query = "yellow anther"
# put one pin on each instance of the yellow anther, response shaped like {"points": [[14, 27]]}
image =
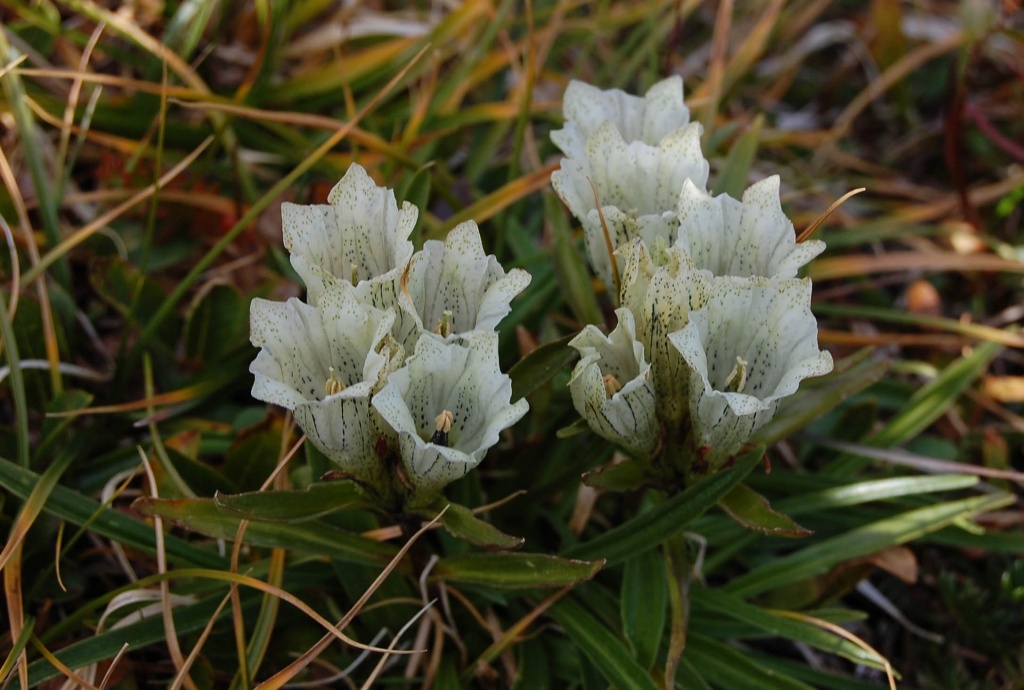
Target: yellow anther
{"points": [[611, 385], [737, 378], [334, 384], [444, 324]]}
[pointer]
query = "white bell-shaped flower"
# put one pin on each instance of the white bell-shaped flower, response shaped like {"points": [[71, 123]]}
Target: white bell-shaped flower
{"points": [[448, 406], [646, 119], [611, 386], [323, 363], [635, 185], [661, 287], [453, 287], [360, 235], [749, 346], [752, 237]]}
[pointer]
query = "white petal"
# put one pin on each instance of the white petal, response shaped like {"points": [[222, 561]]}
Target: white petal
{"points": [[646, 119], [303, 347], [360, 235], [766, 323], [661, 298], [626, 417], [752, 237], [636, 184], [458, 278], [462, 379]]}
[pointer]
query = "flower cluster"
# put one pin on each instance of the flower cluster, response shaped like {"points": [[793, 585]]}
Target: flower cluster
{"points": [[391, 366], [713, 328]]}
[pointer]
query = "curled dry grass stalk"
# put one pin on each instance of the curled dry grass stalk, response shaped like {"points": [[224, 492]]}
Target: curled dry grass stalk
{"points": [[144, 157]]}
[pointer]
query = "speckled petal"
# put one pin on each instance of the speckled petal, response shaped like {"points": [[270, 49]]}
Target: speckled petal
{"points": [[636, 184], [769, 325], [301, 345], [752, 237], [627, 417], [359, 235], [463, 379], [661, 292], [456, 276], [646, 119]]}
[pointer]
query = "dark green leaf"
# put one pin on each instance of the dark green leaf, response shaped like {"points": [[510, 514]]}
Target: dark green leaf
{"points": [[540, 366], [514, 570], [203, 516], [322, 498], [644, 602], [647, 530], [462, 524], [751, 509], [606, 651], [81, 510]]}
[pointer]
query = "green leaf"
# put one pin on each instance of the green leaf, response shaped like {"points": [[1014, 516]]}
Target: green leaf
{"points": [[514, 570], [606, 651], [573, 277], [732, 179], [727, 667], [751, 509], [83, 511], [415, 189], [643, 603], [149, 630], [203, 516], [818, 558], [540, 366], [617, 476], [929, 403], [724, 604], [217, 322], [647, 530], [462, 524], [320, 499]]}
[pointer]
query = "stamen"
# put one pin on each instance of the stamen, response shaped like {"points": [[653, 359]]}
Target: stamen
{"points": [[611, 385], [444, 324], [334, 384], [355, 274], [737, 378], [443, 424]]}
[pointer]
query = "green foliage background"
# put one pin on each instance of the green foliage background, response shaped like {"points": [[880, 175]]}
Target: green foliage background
{"points": [[145, 151]]}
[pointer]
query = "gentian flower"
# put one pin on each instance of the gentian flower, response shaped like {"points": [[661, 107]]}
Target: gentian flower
{"points": [[747, 347], [636, 186], [611, 386], [323, 363], [646, 119], [752, 237], [452, 288], [447, 406], [661, 288], [359, 236]]}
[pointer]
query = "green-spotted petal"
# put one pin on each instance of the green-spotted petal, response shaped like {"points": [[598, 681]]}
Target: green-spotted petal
{"points": [[611, 386], [749, 346], [360, 235], [463, 379]]}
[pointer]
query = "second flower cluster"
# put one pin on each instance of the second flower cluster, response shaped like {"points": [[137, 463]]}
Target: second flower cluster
{"points": [[714, 327]]}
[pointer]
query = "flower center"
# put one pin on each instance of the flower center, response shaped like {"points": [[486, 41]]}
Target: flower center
{"points": [[737, 378], [334, 384], [444, 324], [611, 385], [443, 424]]}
